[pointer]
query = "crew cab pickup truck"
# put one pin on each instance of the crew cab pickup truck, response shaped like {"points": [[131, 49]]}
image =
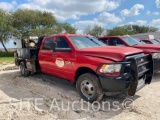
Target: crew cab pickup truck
{"points": [[96, 69], [134, 43]]}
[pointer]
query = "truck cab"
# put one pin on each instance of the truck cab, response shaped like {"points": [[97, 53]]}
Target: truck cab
{"points": [[96, 69], [127, 41]]}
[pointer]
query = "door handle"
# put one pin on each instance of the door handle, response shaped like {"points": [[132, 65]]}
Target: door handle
{"points": [[54, 55]]}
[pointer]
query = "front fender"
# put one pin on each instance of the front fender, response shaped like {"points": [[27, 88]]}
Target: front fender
{"points": [[91, 62]]}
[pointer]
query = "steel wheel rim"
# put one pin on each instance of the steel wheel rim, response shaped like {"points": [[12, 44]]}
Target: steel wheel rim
{"points": [[87, 88]]}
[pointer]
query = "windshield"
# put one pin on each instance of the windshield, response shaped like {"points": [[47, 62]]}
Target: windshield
{"points": [[81, 42], [155, 42], [131, 41]]}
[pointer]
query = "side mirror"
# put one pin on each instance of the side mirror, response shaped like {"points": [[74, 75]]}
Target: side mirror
{"points": [[55, 49]]}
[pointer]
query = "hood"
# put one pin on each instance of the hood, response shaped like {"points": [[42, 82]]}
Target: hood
{"points": [[110, 52], [148, 47]]}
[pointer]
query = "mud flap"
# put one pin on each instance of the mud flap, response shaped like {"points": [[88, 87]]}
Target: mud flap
{"points": [[16, 59], [133, 88]]}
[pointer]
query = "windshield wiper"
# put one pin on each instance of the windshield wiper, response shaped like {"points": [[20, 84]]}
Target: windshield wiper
{"points": [[93, 40]]}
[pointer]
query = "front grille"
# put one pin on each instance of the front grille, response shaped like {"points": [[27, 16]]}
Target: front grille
{"points": [[142, 65]]}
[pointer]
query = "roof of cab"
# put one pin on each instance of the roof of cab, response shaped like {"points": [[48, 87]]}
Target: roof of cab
{"points": [[112, 36], [67, 34]]}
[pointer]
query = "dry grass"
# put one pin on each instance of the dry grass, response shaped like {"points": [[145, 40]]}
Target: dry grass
{"points": [[6, 60]]}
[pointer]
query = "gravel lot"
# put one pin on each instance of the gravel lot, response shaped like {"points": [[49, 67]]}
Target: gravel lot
{"points": [[45, 97]]}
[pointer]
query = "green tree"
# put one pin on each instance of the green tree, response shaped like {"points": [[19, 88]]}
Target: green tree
{"points": [[5, 28], [34, 22], [95, 31], [117, 31], [87, 30], [67, 27], [130, 30]]}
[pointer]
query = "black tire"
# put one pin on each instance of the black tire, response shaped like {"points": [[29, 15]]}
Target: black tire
{"points": [[89, 88], [23, 70]]}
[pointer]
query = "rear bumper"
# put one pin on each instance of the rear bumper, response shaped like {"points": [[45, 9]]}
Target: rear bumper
{"points": [[156, 65]]}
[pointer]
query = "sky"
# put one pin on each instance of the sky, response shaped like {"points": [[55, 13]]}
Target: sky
{"points": [[83, 13]]}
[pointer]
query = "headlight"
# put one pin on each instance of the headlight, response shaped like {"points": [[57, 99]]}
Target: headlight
{"points": [[110, 68], [156, 55]]}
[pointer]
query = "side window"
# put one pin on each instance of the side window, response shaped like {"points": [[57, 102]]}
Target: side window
{"points": [[146, 41], [104, 40], [62, 43], [116, 42], [48, 44]]}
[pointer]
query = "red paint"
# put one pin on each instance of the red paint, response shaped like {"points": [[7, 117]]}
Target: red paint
{"points": [[88, 57]]}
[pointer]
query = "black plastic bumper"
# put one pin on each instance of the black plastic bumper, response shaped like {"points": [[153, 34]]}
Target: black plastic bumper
{"points": [[115, 85], [156, 65], [132, 71]]}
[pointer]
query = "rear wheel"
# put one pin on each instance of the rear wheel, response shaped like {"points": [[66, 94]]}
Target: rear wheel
{"points": [[89, 88], [23, 70]]}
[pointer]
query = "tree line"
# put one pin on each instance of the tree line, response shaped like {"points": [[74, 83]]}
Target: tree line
{"points": [[120, 30], [29, 22], [37, 23]]}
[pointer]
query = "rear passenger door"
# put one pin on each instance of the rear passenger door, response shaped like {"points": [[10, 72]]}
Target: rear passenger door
{"points": [[45, 55]]}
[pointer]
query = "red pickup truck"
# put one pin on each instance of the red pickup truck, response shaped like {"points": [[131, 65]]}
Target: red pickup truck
{"points": [[150, 41], [132, 42], [82, 59]]}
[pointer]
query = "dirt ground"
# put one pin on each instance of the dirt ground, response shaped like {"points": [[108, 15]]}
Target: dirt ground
{"points": [[43, 97]]}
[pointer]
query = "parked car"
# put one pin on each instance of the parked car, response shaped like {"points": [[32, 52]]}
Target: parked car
{"points": [[128, 41], [95, 68]]}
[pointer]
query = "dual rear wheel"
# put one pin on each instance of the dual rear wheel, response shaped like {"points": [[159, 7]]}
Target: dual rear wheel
{"points": [[23, 69]]}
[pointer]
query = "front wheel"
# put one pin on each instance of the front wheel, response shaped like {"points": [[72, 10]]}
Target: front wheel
{"points": [[89, 88], [23, 70]]}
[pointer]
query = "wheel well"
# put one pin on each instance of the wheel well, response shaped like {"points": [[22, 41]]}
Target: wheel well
{"points": [[83, 70]]}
